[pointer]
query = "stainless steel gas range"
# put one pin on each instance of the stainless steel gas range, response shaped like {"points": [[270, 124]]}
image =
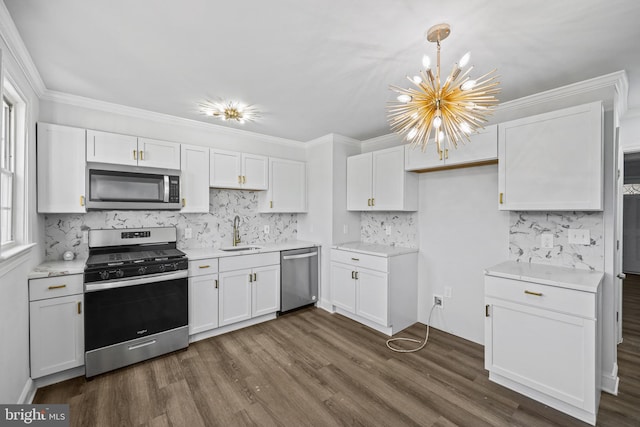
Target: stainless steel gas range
{"points": [[136, 297]]}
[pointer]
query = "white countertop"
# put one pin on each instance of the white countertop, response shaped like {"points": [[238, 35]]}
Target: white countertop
{"points": [[57, 268], [375, 249], [202, 253], [564, 277]]}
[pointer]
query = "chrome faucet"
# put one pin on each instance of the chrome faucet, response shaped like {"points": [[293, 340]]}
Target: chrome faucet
{"points": [[236, 230]]}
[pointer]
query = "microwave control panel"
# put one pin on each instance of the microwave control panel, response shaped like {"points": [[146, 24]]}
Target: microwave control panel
{"points": [[174, 189]]}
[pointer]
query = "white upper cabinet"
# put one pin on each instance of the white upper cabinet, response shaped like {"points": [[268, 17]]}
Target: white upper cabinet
{"points": [[552, 161], [287, 187], [194, 178], [378, 181], [231, 169], [106, 147], [158, 154], [481, 149], [61, 169]]}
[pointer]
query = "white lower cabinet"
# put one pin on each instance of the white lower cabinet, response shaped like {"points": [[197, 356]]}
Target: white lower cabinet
{"points": [[56, 324], [543, 340], [249, 287], [203, 295], [380, 291]]}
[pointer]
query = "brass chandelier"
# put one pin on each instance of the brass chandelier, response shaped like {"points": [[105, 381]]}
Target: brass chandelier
{"points": [[229, 110], [450, 110]]}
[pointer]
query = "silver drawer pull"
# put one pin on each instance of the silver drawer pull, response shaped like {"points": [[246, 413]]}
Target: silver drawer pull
{"points": [[144, 344], [537, 294]]}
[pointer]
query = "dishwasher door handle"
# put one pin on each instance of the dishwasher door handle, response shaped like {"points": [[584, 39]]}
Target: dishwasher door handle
{"points": [[307, 255]]}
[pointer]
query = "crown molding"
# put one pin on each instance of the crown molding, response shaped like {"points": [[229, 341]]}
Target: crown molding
{"points": [[139, 113], [11, 37], [617, 80]]}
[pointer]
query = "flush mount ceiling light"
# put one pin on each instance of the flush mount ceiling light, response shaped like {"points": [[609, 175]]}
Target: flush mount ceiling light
{"points": [[229, 111], [450, 110]]}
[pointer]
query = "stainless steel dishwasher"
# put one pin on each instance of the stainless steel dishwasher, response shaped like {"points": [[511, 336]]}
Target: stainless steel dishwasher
{"points": [[299, 275]]}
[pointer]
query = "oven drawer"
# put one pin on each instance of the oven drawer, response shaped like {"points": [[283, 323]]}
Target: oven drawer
{"points": [[202, 267], [58, 286]]}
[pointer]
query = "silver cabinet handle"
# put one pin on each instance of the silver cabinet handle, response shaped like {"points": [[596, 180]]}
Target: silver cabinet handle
{"points": [[307, 255]]}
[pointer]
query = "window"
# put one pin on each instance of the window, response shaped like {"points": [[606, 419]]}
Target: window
{"points": [[7, 174]]}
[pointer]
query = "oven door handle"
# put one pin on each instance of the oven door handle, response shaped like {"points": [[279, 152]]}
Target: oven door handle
{"points": [[154, 278]]}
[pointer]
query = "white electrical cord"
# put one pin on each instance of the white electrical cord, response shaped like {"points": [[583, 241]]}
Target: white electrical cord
{"points": [[399, 350]]}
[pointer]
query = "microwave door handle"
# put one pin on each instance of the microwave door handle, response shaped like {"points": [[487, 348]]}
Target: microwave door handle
{"points": [[166, 189]]}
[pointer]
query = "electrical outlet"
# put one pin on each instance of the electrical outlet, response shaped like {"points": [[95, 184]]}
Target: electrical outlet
{"points": [[438, 301], [447, 291], [388, 230], [546, 240], [188, 233], [579, 236], [267, 229]]}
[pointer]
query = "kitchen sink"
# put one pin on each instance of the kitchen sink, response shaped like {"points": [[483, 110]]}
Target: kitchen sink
{"points": [[241, 248]]}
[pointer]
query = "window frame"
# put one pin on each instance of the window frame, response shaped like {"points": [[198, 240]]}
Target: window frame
{"points": [[8, 169]]}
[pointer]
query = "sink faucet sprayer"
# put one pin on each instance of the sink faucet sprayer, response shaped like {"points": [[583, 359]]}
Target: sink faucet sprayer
{"points": [[236, 230]]}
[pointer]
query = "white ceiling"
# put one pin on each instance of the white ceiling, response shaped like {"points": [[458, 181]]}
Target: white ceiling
{"points": [[315, 67]]}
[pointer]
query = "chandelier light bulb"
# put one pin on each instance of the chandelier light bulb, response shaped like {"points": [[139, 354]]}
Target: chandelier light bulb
{"points": [[437, 121], [464, 60], [440, 136], [404, 98], [412, 133], [417, 80], [426, 62], [468, 85], [464, 127]]}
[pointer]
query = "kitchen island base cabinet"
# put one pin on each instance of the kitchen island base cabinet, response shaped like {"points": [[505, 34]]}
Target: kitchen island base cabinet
{"points": [[378, 291], [543, 341]]}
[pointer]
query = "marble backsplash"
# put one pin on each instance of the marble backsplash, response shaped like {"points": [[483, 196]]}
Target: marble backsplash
{"points": [[526, 228], [64, 232], [404, 228]]}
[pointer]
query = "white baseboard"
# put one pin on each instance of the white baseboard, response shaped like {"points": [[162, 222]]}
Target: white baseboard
{"points": [[326, 305], [58, 377], [28, 392], [229, 328], [611, 381]]}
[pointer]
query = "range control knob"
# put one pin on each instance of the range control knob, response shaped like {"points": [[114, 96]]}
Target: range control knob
{"points": [[104, 275], [119, 273], [161, 268], [142, 270], [174, 265]]}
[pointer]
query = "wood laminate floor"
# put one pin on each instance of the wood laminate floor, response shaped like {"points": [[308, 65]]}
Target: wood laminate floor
{"points": [[315, 368]]}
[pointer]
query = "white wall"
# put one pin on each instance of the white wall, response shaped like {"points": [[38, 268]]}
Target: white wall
{"points": [[461, 232], [343, 147]]}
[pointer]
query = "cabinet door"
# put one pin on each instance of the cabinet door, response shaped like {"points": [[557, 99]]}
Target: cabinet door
{"points": [[194, 179], [552, 161], [61, 169], [343, 286], [287, 186], [225, 169], [551, 352], [359, 174], [372, 296], [235, 296], [255, 172], [415, 159], [203, 303], [482, 146], [388, 189], [158, 154], [57, 335], [265, 291], [105, 147]]}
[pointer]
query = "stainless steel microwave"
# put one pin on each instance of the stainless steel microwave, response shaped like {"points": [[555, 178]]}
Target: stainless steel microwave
{"points": [[131, 188]]}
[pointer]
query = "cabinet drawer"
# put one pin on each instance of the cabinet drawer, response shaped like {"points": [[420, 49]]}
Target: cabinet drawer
{"points": [[378, 263], [203, 266], [58, 286], [249, 261], [548, 297]]}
